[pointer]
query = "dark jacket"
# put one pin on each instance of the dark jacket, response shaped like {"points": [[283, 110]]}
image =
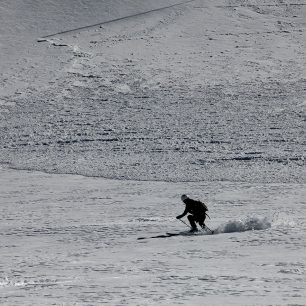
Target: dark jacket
{"points": [[196, 208]]}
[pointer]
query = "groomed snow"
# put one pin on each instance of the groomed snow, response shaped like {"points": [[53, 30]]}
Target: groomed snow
{"points": [[72, 240]]}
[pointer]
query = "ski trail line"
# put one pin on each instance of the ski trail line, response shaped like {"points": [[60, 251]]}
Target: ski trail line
{"points": [[113, 20]]}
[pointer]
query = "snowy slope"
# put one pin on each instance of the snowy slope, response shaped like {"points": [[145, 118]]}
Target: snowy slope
{"points": [[195, 92], [206, 98], [72, 240], [24, 63]]}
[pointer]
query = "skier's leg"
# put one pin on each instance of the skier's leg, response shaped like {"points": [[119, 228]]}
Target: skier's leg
{"points": [[192, 222], [202, 220]]}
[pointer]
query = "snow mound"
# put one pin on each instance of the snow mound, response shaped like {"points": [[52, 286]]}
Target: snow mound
{"points": [[249, 224]]}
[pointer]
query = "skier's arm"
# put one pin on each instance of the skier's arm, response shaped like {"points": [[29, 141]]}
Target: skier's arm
{"points": [[183, 214]]}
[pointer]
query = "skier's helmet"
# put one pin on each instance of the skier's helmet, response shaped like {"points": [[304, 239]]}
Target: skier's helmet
{"points": [[184, 197]]}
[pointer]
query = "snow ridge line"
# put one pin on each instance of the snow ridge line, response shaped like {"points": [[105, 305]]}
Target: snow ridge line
{"points": [[112, 20]]}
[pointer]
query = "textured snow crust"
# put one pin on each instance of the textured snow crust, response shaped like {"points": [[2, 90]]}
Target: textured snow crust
{"points": [[202, 91]]}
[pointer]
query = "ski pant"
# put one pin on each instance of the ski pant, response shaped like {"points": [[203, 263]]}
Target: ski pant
{"points": [[199, 219]]}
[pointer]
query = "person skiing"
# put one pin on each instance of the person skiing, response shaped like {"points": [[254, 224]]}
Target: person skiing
{"points": [[197, 211]]}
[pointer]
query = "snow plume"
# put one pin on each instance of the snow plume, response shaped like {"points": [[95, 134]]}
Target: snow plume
{"points": [[283, 220], [251, 223]]}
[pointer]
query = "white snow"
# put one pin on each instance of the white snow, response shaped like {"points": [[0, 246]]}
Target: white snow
{"points": [[186, 93], [205, 98], [68, 239]]}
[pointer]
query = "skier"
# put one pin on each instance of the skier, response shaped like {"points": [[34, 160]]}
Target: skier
{"points": [[197, 211]]}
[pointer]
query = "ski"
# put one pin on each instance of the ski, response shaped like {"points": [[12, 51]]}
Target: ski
{"points": [[168, 235]]}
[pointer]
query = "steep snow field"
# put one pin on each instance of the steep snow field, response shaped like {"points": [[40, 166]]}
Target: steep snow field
{"points": [[27, 66], [202, 91], [127, 106]]}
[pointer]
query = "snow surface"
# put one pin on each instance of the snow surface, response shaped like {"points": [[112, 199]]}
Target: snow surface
{"points": [[204, 91], [205, 98], [72, 240]]}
